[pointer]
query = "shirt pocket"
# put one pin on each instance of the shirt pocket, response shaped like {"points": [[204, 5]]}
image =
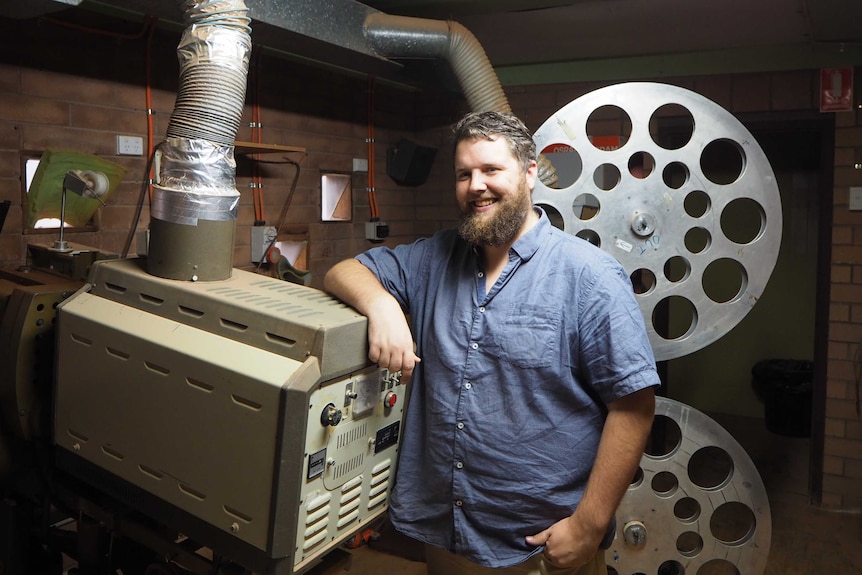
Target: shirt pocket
{"points": [[531, 335]]}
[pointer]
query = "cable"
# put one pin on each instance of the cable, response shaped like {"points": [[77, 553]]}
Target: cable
{"points": [[145, 186]]}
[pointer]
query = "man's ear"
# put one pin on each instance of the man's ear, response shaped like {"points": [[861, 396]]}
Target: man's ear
{"points": [[532, 173]]}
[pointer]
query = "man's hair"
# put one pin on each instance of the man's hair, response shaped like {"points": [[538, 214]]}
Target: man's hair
{"points": [[490, 125]]}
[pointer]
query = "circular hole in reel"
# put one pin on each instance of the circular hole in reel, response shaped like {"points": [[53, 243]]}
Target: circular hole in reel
{"points": [[674, 317], [675, 175], [641, 164], [608, 127], [697, 240], [586, 206], [607, 177], [677, 269], [686, 509], [722, 161], [665, 437], [566, 162], [671, 126], [732, 523], [638, 479], [718, 567], [590, 236], [689, 544], [724, 280], [554, 216], [643, 281], [664, 484], [671, 568], [742, 221], [710, 467], [697, 204]]}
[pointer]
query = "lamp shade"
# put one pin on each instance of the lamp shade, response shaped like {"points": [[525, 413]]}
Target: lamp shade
{"points": [[44, 198]]}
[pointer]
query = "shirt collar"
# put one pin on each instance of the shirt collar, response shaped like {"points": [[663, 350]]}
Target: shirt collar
{"points": [[529, 243]]}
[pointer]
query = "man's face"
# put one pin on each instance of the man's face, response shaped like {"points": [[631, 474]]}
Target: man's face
{"points": [[493, 193]]}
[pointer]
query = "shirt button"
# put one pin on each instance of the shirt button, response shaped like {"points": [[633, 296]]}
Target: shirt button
{"points": [[459, 465], [481, 274], [460, 425], [468, 385], [474, 345], [458, 503], [482, 309]]}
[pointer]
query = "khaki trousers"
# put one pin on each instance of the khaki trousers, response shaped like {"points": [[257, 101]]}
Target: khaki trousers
{"points": [[441, 562]]}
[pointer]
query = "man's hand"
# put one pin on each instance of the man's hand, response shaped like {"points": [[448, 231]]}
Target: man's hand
{"points": [[568, 543], [390, 343]]}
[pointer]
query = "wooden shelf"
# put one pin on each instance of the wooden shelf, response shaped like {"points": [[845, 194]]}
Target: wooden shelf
{"points": [[255, 148]]}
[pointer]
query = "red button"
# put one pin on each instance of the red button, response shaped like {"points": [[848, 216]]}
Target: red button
{"points": [[390, 399]]}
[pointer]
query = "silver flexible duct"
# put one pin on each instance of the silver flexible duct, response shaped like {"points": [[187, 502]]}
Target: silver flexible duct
{"points": [[194, 203], [405, 37]]}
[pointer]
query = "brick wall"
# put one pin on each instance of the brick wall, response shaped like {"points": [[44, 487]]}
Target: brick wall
{"points": [[842, 459], [65, 88]]}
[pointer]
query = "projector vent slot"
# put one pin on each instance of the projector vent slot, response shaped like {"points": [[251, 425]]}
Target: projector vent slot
{"points": [[185, 310], [115, 287], [151, 299], [237, 514], [192, 492], [150, 472], [161, 370], [235, 325], [119, 354], [77, 338], [108, 450], [253, 405], [77, 435], [197, 384], [281, 340]]}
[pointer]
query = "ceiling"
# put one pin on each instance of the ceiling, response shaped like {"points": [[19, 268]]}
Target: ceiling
{"points": [[544, 41]]}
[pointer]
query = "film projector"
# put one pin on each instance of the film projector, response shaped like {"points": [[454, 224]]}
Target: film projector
{"points": [[664, 210]]}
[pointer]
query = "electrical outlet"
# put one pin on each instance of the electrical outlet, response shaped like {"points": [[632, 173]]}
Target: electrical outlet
{"points": [[130, 146], [376, 231]]}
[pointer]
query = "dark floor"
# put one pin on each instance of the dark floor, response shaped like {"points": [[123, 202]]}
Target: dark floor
{"points": [[806, 540]]}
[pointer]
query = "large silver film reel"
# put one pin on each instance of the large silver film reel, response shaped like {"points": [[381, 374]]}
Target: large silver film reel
{"points": [[697, 505], [690, 208]]}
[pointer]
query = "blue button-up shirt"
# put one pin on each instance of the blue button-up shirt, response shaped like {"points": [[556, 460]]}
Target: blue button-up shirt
{"points": [[508, 403]]}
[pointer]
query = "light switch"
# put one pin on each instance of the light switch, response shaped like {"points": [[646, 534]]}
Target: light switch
{"points": [[856, 198]]}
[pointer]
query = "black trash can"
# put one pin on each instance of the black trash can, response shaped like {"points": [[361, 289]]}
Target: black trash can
{"points": [[784, 386]]}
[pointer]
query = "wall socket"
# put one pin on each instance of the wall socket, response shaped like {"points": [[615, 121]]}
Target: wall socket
{"points": [[130, 146]]}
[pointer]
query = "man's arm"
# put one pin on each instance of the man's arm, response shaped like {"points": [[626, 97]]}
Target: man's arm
{"points": [[575, 540], [390, 343]]}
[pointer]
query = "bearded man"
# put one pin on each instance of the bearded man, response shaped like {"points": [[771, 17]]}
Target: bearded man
{"points": [[533, 378]]}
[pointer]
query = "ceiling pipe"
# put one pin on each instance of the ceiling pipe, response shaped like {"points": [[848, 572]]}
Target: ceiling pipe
{"points": [[194, 203], [405, 37]]}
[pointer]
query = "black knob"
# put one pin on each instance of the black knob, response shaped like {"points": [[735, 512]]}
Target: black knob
{"points": [[331, 415]]}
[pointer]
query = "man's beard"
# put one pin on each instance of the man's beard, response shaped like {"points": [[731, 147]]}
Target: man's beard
{"points": [[503, 226]]}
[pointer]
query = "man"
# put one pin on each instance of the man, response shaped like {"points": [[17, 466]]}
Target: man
{"points": [[533, 397]]}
